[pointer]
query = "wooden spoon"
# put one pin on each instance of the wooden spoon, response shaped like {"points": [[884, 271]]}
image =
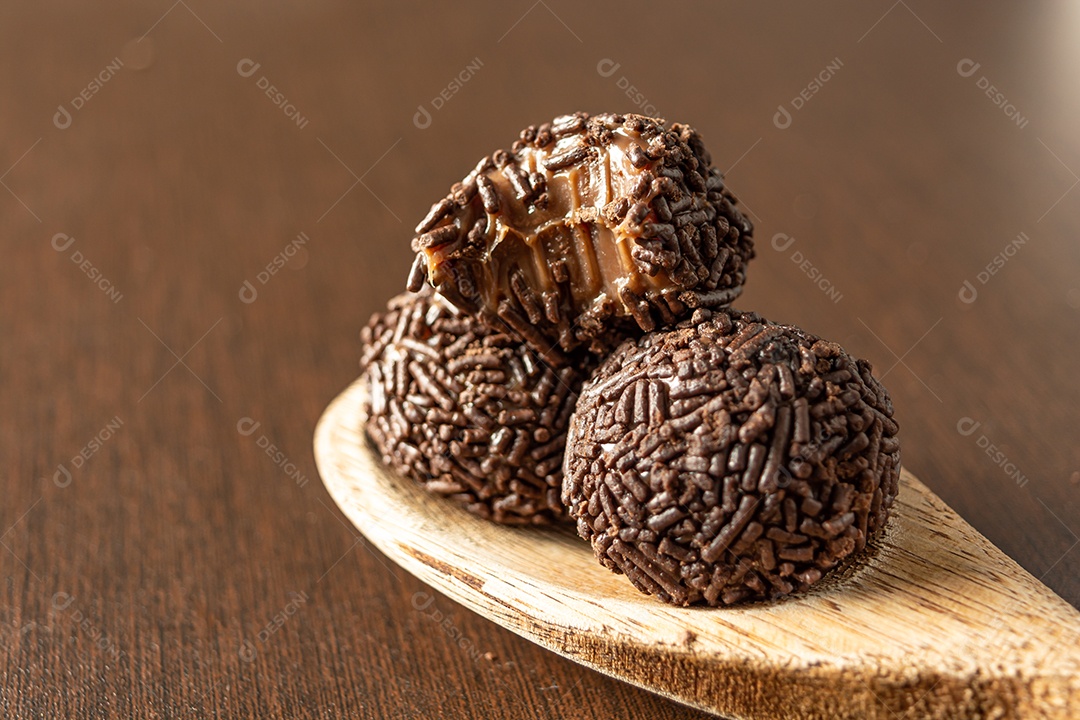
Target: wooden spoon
{"points": [[936, 623]]}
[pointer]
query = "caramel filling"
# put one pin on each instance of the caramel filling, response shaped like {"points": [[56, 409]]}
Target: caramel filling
{"points": [[569, 237]]}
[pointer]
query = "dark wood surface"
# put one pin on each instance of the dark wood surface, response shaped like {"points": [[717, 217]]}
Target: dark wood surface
{"points": [[148, 581]]}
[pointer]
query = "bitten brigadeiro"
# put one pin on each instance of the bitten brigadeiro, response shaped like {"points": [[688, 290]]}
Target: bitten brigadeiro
{"points": [[713, 457], [589, 229], [730, 459], [467, 412]]}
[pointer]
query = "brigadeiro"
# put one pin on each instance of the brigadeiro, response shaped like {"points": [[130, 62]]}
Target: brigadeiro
{"points": [[466, 411], [589, 228], [730, 459]]}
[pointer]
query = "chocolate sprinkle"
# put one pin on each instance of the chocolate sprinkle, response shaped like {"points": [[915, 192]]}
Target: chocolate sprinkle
{"points": [[465, 411], [590, 228], [730, 459]]}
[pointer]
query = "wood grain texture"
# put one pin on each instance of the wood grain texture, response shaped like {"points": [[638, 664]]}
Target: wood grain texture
{"points": [[180, 539], [936, 621]]}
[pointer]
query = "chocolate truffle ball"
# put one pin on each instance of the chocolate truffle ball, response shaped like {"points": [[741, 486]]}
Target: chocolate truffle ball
{"points": [[730, 459], [465, 411], [588, 228]]}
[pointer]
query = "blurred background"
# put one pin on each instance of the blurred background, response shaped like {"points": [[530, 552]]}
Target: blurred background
{"points": [[202, 203]]}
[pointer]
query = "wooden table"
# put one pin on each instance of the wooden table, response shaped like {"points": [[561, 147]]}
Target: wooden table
{"points": [[203, 204]]}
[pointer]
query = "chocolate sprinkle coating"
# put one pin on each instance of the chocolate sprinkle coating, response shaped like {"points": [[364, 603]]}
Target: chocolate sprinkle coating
{"points": [[588, 229], [467, 412], [730, 459]]}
